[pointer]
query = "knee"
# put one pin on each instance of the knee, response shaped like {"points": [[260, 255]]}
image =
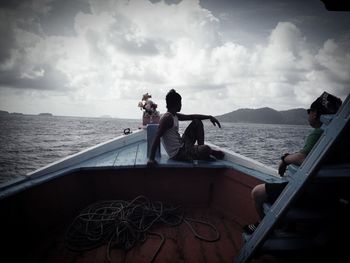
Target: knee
{"points": [[198, 123], [204, 151], [259, 192]]}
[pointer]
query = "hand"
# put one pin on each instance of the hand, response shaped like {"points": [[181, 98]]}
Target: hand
{"points": [[282, 168], [214, 121], [151, 163]]}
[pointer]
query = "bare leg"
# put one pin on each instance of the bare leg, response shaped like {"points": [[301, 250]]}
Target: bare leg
{"points": [[260, 197], [200, 132], [195, 132], [217, 154], [204, 152]]}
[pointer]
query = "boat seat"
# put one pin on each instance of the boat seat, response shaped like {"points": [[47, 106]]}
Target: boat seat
{"points": [[284, 245], [330, 183], [301, 214], [304, 222], [315, 202], [334, 172], [327, 191], [281, 242], [151, 134]]}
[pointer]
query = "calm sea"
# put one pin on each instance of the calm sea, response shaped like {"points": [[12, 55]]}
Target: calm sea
{"points": [[30, 142]]}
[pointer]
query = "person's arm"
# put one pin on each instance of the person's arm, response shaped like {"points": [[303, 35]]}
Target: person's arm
{"points": [[191, 117], [299, 157], [286, 159], [295, 158], [165, 123]]}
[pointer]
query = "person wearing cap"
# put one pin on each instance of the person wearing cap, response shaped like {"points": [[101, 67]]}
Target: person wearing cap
{"points": [[269, 192]]}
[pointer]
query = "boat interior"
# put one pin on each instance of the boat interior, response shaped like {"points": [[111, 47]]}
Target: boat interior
{"points": [[34, 221], [309, 221]]}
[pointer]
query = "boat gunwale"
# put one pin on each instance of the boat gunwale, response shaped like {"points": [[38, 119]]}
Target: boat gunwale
{"points": [[75, 162], [28, 183]]}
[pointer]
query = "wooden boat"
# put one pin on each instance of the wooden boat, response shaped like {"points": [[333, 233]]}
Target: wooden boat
{"points": [[37, 211]]}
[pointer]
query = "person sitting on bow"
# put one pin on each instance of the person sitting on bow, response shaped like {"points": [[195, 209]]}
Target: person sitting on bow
{"points": [[183, 147]]}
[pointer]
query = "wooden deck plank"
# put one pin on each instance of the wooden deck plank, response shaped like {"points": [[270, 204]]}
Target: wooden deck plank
{"points": [[141, 155], [88, 256], [88, 163], [116, 255], [189, 246], [225, 247], [169, 251], [136, 154], [235, 232], [208, 249], [107, 159], [146, 251], [127, 156], [180, 245]]}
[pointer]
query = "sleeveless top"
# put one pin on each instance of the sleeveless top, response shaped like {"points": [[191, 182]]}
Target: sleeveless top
{"points": [[171, 139]]}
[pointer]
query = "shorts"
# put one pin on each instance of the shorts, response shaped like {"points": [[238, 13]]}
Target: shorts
{"points": [[188, 152], [315, 194], [273, 190]]}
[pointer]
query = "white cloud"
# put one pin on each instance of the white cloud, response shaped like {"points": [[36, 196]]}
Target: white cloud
{"points": [[123, 49], [336, 60]]}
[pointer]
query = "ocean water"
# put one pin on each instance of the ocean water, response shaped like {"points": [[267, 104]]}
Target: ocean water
{"points": [[31, 142]]}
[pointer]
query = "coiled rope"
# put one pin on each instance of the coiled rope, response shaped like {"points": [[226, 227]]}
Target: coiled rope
{"points": [[123, 224]]}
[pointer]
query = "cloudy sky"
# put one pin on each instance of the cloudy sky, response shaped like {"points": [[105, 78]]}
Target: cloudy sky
{"points": [[97, 57]]}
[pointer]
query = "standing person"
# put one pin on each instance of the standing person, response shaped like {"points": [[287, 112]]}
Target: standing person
{"points": [[269, 192], [182, 148]]}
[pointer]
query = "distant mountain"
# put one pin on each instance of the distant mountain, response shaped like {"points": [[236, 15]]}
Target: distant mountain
{"points": [[2, 112], [267, 116], [295, 116], [45, 114]]}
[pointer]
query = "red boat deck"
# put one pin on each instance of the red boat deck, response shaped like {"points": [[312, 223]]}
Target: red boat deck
{"points": [[180, 245], [34, 222]]}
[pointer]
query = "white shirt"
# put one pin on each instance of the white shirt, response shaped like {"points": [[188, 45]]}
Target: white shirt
{"points": [[171, 139]]}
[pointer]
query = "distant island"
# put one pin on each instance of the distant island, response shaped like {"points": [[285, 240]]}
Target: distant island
{"points": [[5, 113], [266, 116], [106, 117], [262, 115]]}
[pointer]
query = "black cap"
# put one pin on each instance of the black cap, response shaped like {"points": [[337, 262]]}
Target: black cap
{"points": [[326, 104]]}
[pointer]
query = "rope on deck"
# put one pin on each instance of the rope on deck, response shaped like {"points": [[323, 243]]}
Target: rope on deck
{"points": [[123, 224]]}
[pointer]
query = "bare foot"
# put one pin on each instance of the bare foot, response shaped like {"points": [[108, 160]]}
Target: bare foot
{"points": [[218, 154]]}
